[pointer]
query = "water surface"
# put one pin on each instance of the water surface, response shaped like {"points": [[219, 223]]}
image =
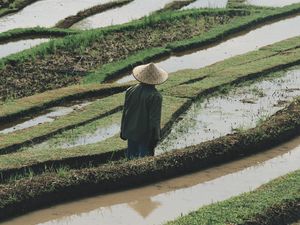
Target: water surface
{"points": [[45, 13], [163, 201], [272, 3], [253, 40], [207, 4], [17, 46], [131, 11]]}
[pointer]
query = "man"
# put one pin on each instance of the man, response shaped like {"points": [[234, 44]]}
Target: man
{"points": [[142, 111]]}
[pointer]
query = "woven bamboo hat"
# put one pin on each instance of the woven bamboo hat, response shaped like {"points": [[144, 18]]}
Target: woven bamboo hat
{"points": [[150, 74]]}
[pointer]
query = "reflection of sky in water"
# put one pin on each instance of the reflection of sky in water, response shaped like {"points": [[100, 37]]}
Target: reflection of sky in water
{"points": [[99, 135], [253, 40], [46, 118], [167, 206], [241, 108], [17, 46], [275, 3], [45, 13], [207, 4], [126, 13]]}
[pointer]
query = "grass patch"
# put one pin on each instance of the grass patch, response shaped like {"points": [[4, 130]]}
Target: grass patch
{"points": [[12, 109], [64, 62], [274, 203], [22, 33], [47, 157], [87, 46], [27, 194], [252, 65], [96, 110]]}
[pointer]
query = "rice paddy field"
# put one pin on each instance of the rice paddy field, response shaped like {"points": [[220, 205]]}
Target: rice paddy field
{"points": [[230, 147]]}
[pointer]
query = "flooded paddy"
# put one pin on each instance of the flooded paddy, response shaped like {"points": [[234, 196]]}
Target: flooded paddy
{"points": [[207, 4], [17, 46], [91, 133], [131, 11], [253, 40], [158, 203], [272, 3], [45, 13], [46, 117], [242, 108]]}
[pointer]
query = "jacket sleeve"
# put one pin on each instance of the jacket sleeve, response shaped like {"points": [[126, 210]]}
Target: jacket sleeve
{"points": [[155, 117]]}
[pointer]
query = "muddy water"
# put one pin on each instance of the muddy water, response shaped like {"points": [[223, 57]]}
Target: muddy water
{"points": [[131, 11], [169, 199], [242, 108], [17, 46], [250, 41], [99, 135], [74, 138], [45, 13], [275, 3], [51, 115], [207, 4]]}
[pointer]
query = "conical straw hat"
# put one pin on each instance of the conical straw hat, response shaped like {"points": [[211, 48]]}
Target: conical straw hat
{"points": [[150, 74]]}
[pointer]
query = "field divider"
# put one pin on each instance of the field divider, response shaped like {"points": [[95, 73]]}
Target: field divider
{"points": [[125, 66], [71, 20], [42, 132], [73, 184], [277, 202]]}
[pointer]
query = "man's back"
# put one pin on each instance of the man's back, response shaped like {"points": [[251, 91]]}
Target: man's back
{"points": [[141, 114]]}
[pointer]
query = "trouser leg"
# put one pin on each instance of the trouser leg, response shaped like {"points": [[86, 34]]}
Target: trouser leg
{"points": [[132, 149], [145, 150]]}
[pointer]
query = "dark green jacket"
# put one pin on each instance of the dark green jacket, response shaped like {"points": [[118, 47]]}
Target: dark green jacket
{"points": [[142, 114]]}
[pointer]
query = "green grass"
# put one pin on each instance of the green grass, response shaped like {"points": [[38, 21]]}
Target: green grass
{"points": [[80, 42], [33, 32], [116, 68], [40, 101], [99, 47], [259, 206], [217, 75], [91, 112], [256, 62], [31, 156]]}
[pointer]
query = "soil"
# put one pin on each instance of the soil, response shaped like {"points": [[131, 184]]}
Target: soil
{"points": [[66, 67]]}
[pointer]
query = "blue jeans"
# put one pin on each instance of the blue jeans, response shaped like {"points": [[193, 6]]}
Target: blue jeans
{"points": [[136, 149]]}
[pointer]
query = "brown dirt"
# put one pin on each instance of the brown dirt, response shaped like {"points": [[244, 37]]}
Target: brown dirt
{"points": [[66, 67], [34, 192]]}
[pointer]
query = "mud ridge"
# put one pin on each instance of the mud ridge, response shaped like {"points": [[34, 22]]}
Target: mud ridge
{"points": [[69, 21], [47, 189]]}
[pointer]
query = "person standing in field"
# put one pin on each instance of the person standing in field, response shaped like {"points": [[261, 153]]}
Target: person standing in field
{"points": [[141, 118]]}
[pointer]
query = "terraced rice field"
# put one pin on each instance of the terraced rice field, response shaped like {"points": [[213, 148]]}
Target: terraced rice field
{"points": [[229, 152]]}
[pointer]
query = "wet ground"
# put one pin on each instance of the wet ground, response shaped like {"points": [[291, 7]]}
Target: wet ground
{"points": [[159, 202], [240, 109], [250, 41], [207, 4], [253, 40], [91, 133], [17, 46], [45, 13], [271, 3], [48, 116], [133, 10]]}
